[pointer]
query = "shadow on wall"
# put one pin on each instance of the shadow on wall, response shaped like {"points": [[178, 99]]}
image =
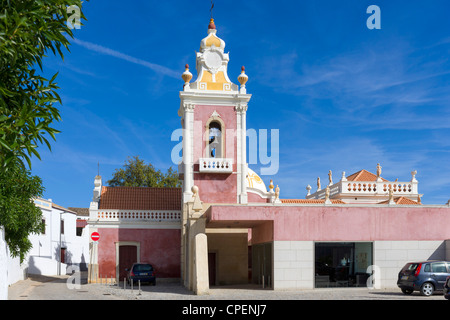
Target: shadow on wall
{"points": [[447, 250], [441, 252], [50, 266], [66, 257]]}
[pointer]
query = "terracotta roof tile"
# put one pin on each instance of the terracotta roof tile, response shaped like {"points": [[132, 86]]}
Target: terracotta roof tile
{"points": [[140, 198], [363, 175], [80, 211], [311, 201], [54, 205], [402, 200]]}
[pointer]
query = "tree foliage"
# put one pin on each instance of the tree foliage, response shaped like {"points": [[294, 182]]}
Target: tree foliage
{"points": [[18, 214], [29, 29], [135, 173]]}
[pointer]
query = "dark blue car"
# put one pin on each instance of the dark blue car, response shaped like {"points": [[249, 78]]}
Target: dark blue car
{"points": [[425, 277], [143, 272]]}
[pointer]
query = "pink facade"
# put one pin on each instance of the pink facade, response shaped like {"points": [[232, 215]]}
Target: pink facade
{"points": [[201, 115], [216, 188], [254, 198], [334, 223], [159, 247]]}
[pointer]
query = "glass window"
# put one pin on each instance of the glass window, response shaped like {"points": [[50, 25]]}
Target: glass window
{"points": [[438, 267], [410, 267], [342, 264], [142, 268], [427, 268], [43, 226]]}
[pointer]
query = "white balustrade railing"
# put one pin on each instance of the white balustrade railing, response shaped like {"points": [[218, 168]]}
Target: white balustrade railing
{"points": [[371, 187], [216, 165], [135, 215], [368, 188]]}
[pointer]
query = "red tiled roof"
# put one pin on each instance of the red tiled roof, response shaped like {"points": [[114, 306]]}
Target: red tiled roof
{"points": [[363, 175], [402, 200], [80, 211], [54, 205], [311, 201], [140, 198]]}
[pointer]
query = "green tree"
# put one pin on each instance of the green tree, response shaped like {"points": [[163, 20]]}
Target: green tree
{"points": [[135, 173], [18, 214], [29, 29]]}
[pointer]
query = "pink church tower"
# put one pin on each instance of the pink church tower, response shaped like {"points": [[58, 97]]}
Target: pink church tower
{"points": [[213, 116]]}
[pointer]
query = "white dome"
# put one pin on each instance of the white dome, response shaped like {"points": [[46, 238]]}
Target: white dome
{"points": [[255, 182]]}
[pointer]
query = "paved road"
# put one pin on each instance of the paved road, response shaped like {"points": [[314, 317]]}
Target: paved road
{"points": [[56, 288]]}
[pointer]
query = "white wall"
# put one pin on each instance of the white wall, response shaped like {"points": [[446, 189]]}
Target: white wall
{"points": [[391, 256], [44, 255], [45, 266], [16, 270], [11, 270], [3, 267], [293, 264], [293, 261]]}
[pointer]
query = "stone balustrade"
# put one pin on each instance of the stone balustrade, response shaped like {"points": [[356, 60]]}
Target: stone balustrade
{"points": [[108, 215], [216, 165], [367, 188]]}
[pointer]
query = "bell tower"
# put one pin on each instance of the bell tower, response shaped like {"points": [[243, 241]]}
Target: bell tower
{"points": [[213, 116]]}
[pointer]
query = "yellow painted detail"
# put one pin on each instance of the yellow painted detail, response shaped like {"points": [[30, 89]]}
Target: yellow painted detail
{"points": [[212, 40], [220, 77], [214, 85], [207, 77], [254, 181]]}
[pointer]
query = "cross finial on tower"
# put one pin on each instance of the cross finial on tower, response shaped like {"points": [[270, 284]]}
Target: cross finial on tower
{"points": [[212, 7]]}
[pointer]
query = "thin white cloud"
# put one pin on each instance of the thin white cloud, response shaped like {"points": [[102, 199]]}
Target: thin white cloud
{"points": [[113, 53]]}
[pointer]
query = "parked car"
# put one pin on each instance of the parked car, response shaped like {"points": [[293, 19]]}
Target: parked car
{"points": [[141, 271], [447, 288], [425, 277]]}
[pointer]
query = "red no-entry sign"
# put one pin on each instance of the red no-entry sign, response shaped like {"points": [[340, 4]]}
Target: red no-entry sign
{"points": [[95, 236]]}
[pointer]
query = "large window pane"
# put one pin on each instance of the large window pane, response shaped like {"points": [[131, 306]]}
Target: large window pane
{"points": [[342, 264]]}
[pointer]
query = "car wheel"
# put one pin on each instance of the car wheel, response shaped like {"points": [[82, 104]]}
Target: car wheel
{"points": [[427, 289], [407, 291]]}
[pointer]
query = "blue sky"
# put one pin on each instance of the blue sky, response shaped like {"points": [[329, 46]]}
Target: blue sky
{"points": [[343, 97]]}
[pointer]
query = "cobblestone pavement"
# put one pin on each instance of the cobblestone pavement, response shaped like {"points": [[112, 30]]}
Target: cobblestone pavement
{"points": [[56, 288]]}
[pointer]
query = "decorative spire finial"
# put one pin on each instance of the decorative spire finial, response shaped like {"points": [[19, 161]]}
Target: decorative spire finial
{"points": [[379, 179], [243, 78], [186, 76], [212, 7], [271, 186], [211, 26], [413, 174]]}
